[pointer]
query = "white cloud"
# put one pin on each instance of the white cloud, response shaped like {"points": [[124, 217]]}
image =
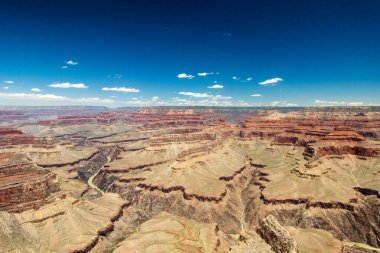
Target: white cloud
{"points": [[68, 85], [121, 89], [71, 62], [336, 103], [184, 75], [93, 100], [216, 86], [355, 103], [256, 95], [248, 79], [282, 103], [8, 82], [180, 99], [207, 102], [154, 99], [49, 97], [5, 88], [194, 94], [272, 81], [211, 100], [216, 97], [36, 89], [54, 98], [203, 95], [64, 67], [140, 102], [328, 102], [207, 73]]}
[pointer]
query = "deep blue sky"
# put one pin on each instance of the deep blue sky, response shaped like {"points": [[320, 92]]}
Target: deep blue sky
{"points": [[325, 52]]}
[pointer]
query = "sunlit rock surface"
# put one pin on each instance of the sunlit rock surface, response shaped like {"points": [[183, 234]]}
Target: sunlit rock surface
{"points": [[190, 180]]}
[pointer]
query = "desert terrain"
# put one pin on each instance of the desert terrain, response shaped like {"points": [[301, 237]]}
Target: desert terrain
{"points": [[195, 179]]}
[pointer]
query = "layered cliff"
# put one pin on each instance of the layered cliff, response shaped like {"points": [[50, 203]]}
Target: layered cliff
{"points": [[195, 180]]}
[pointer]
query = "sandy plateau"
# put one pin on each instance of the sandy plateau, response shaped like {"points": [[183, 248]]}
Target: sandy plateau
{"points": [[191, 180]]}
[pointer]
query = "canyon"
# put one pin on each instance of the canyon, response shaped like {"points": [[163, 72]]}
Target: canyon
{"points": [[190, 179]]}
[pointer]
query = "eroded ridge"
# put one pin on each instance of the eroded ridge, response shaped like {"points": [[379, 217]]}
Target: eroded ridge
{"points": [[199, 179]]}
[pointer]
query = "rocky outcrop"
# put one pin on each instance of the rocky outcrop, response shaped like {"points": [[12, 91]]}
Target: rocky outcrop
{"points": [[187, 196], [326, 134], [239, 171], [366, 151], [192, 152], [103, 232], [357, 249], [121, 141], [71, 163], [23, 190], [96, 161], [184, 137], [277, 236], [367, 191], [10, 136], [75, 120], [198, 163], [340, 141], [343, 133], [358, 225]]}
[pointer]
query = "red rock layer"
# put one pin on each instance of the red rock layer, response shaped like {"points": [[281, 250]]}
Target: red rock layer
{"points": [[150, 118], [23, 187], [10, 136], [318, 137]]}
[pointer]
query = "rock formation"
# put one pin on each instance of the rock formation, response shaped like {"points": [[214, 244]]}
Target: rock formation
{"points": [[22, 186], [195, 179], [9, 136], [277, 236]]}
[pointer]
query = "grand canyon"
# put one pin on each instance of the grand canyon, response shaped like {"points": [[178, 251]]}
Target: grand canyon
{"points": [[190, 179], [189, 126]]}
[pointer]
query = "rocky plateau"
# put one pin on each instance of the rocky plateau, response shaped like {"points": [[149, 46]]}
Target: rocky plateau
{"points": [[169, 179]]}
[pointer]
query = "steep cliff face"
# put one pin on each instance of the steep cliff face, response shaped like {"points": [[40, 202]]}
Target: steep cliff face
{"points": [[298, 130], [177, 234], [318, 142], [11, 136], [305, 205], [357, 225], [24, 191], [96, 162], [342, 141], [347, 149], [134, 183], [184, 137], [23, 187], [277, 182], [277, 236]]}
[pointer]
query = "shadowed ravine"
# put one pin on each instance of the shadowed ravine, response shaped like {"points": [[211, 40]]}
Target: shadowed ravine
{"points": [[90, 181]]}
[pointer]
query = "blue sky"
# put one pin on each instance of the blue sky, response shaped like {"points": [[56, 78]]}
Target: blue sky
{"points": [[139, 53]]}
